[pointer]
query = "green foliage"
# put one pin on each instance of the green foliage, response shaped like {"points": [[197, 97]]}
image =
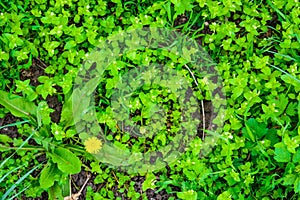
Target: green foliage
{"points": [[18, 106], [48, 175], [256, 45], [63, 162], [66, 161]]}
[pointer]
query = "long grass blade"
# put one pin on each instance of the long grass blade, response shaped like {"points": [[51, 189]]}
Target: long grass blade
{"points": [[8, 173], [1, 165], [14, 124], [13, 197], [292, 77], [18, 182]]}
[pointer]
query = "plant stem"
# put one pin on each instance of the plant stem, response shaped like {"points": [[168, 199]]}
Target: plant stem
{"points": [[23, 148]]}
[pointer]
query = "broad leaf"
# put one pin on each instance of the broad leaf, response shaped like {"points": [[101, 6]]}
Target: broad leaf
{"points": [[66, 161], [48, 175], [18, 106]]}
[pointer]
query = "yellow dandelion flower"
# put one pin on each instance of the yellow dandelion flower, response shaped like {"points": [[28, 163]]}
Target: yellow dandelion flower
{"points": [[93, 145]]}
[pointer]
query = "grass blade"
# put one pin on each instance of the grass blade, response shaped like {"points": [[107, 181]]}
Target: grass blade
{"points": [[19, 181], [8, 173], [13, 197], [1, 165], [14, 124], [292, 77]]}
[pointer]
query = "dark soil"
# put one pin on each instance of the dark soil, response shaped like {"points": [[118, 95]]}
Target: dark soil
{"points": [[34, 72], [10, 131], [151, 193], [79, 179], [181, 19], [54, 103]]}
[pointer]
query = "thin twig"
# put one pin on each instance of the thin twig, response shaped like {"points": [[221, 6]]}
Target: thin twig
{"points": [[115, 176], [44, 65], [75, 196], [202, 103], [87, 179]]}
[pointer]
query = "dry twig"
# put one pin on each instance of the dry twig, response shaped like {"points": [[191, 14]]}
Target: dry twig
{"points": [[202, 103], [76, 196]]}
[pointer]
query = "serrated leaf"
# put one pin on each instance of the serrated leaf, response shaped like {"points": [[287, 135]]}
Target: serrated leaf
{"points": [[47, 177], [18, 106], [66, 161], [289, 179]]}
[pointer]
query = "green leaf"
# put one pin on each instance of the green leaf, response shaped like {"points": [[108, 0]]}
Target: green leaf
{"points": [[5, 139], [66, 114], [182, 6], [48, 175], [255, 130], [289, 179], [189, 195], [281, 153], [248, 133], [55, 192], [237, 91], [18, 106], [224, 196], [272, 137], [43, 113], [66, 161], [297, 185], [296, 157], [291, 80], [75, 106], [65, 187], [4, 148], [19, 181], [70, 44], [149, 183]]}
